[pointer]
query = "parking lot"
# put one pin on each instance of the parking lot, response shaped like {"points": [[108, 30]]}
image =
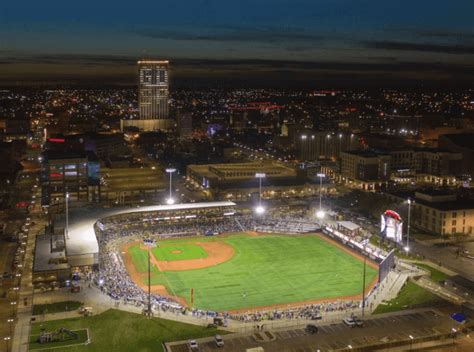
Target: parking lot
{"points": [[377, 329]]}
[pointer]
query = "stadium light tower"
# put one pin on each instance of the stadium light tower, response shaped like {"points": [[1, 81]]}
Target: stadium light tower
{"points": [[170, 200], [364, 243], [407, 247], [260, 209], [149, 243], [320, 214], [67, 214]]}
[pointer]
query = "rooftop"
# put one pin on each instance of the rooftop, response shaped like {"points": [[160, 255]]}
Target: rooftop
{"points": [[465, 140], [369, 153], [82, 239], [445, 203]]}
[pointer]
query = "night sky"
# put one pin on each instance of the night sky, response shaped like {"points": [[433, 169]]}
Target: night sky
{"points": [[325, 41]]}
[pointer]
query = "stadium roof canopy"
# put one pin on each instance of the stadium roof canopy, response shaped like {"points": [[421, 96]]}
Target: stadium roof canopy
{"points": [[81, 239]]}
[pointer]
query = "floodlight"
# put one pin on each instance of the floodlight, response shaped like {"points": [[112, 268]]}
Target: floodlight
{"points": [[320, 214], [260, 209]]}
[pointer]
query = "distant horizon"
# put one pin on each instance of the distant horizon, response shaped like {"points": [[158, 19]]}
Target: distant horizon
{"points": [[122, 71], [340, 42]]}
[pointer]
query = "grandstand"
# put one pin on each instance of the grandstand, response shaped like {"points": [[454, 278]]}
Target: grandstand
{"points": [[82, 246]]}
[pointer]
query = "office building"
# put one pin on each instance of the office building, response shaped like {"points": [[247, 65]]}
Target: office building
{"points": [[430, 161], [71, 172], [153, 97], [438, 211], [365, 169], [460, 143], [153, 89]]}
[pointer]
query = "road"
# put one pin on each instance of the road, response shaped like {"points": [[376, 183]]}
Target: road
{"points": [[446, 256]]}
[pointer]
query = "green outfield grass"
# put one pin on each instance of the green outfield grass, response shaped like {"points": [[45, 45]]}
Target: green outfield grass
{"points": [[267, 270], [187, 251]]}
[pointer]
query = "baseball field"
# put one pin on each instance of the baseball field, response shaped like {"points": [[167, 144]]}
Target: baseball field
{"points": [[247, 271]]}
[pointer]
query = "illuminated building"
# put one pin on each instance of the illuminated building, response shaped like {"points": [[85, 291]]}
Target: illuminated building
{"points": [[153, 92], [153, 97], [75, 173], [438, 211], [365, 169]]}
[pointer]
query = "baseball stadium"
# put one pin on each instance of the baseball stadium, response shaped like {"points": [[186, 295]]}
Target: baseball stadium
{"points": [[215, 257]]}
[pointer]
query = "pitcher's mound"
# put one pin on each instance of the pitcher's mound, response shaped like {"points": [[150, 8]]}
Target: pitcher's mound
{"points": [[176, 251]]}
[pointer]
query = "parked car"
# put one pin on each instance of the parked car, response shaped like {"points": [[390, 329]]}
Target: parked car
{"points": [[353, 321], [193, 345], [219, 341], [312, 329]]}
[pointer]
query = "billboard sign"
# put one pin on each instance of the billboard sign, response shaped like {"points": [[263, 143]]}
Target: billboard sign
{"points": [[391, 226]]}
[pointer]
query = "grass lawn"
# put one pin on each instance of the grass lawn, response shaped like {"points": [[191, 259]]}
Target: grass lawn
{"points": [[436, 275], [57, 307], [267, 270], [183, 251], [68, 341], [119, 331], [410, 296]]}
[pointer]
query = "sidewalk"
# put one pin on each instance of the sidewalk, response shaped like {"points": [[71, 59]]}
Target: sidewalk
{"points": [[22, 327]]}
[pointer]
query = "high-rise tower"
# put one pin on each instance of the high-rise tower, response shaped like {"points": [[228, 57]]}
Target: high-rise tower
{"points": [[153, 92]]}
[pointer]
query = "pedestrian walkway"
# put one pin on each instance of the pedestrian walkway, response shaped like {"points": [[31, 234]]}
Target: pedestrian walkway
{"points": [[25, 303]]}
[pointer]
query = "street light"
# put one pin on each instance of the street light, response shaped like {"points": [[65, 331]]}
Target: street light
{"points": [[170, 200], [7, 341], [453, 334], [10, 323], [320, 214], [411, 341], [260, 209], [13, 303]]}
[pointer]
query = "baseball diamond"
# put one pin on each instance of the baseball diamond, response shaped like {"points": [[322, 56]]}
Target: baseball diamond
{"points": [[245, 271]]}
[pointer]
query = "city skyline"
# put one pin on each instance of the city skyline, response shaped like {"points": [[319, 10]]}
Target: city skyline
{"points": [[334, 43]]}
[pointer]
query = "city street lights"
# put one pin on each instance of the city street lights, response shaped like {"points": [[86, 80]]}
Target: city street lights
{"points": [[320, 214], [7, 342], [170, 200], [260, 209], [407, 247], [10, 323], [411, 341], [13, 304]]}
